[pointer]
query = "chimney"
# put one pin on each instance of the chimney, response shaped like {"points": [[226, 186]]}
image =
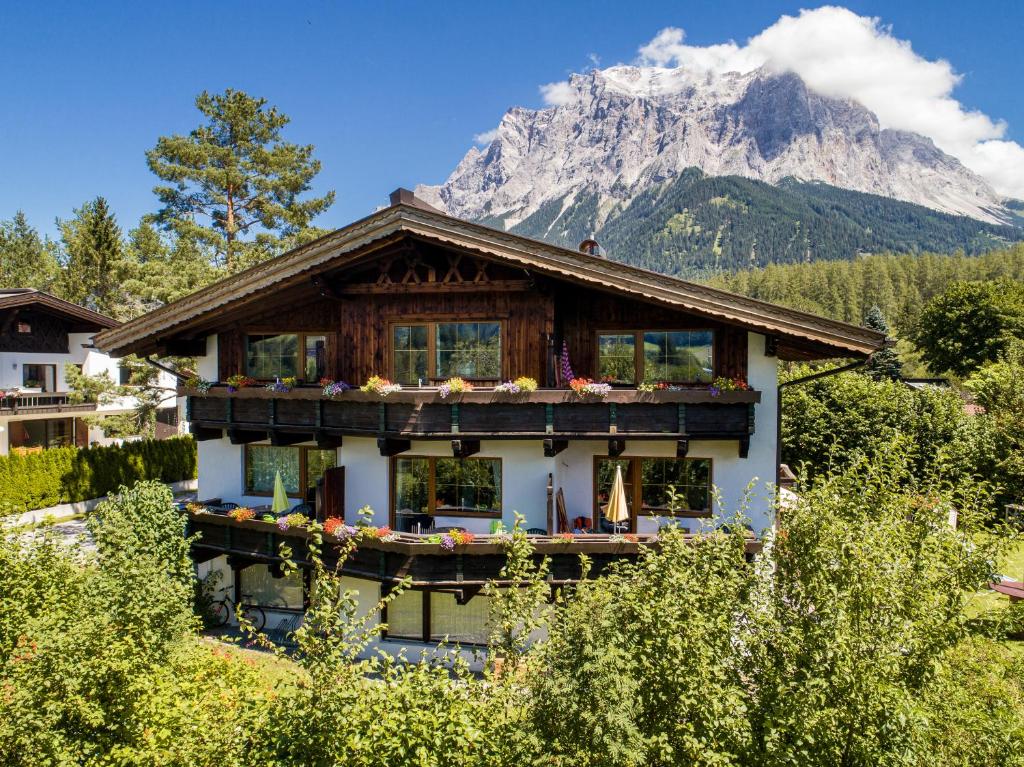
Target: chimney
{"points": [[591, 247], [402, 196]]}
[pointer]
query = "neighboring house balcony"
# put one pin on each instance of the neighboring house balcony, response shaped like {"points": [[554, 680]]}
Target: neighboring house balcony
{"points": [[555, 416], [32, 403]]}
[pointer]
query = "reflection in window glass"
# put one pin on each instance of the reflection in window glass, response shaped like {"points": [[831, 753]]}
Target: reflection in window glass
{"points": [[262, 464], [468, 349], [261, 587], [315, 366], [412, 482], [409, 347], [471, 484], [270, 357], [616, 358], [691, 479], [317, 462], [678, 356], [606, 478]]}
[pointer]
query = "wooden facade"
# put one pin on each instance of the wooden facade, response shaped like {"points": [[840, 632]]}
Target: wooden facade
{"points": [[354, 309]]}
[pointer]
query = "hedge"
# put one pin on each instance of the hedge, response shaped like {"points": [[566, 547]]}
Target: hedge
{"points": [[67, 474]]}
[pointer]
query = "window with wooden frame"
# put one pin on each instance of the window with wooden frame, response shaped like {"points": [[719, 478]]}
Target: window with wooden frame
{"points": [[42, 377], [286, 355], [450, 487], [424, 352], [300, 468], [432, 616], [650, 483], [629, 357]]}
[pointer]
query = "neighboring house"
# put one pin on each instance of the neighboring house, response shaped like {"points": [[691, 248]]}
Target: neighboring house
{"points": [[40, 335], [417, 296]]}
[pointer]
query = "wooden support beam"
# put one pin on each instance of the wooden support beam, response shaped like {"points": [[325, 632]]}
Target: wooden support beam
{"points": [[682, 448], [616, 447], [239, 436], [553, 447], [327, 441], [744, 447], [204, 433], [389, 447], [285, 438], [494, 286], [466, 593], [182, 347], [464, 448]]}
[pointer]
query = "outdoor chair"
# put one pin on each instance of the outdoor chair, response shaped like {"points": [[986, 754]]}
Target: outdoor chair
{"points": [[302, 508], [281, 633]]}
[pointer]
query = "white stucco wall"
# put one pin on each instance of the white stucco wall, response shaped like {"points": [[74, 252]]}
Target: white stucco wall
{"points": [[525, 469], [93, 362]]}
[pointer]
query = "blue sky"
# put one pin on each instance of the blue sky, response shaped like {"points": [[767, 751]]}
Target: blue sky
{"points": [[391, 93]]}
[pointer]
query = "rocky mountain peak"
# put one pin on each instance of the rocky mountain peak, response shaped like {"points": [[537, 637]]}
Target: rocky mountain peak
{"points": [[617, 131]]}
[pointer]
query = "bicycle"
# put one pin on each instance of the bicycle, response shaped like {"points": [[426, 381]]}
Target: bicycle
{"points": [[221, 609]]}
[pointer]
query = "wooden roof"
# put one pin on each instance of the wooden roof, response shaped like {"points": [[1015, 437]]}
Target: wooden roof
{"points": [[80, 318], [799, 335]]}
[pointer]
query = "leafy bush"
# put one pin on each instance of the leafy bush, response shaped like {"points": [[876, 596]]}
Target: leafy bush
{"points": [[67, 474]]}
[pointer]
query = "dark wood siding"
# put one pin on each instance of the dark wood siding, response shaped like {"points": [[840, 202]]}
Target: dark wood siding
{"points": [[582, 314], [356, 320]]}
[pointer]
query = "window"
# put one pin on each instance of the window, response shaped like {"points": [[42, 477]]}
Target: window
{"points": [[24, 327], [447, 486], [300, 468], [44, 433], [441, 350], [617, 358], [675, 356], [43, 377], [278, 356], [430, 616], [124, 375], [652, 494]]}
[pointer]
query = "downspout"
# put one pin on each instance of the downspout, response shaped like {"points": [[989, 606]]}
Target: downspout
{"points": [[778, 404]]}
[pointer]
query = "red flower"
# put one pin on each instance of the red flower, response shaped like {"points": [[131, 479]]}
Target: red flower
{"points": [[331, 525]]}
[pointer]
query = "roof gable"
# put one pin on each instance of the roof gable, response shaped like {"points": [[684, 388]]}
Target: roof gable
{"points": [[79, 318], [816, 335]]}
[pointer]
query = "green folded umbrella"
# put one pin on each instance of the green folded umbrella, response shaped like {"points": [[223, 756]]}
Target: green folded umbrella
{"points": [[280, 503]]}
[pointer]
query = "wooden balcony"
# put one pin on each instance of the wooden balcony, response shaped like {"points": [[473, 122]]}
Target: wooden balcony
{"points": [[45, 402], [555, 416], [468, 566]]}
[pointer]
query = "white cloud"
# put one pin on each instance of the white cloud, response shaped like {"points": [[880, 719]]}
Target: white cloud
{"points": [[485, 138], [843, 55], [557, 94]]}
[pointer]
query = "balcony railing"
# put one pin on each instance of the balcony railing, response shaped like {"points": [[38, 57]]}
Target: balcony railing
{"points": [[41, 402], [427, 564], [555, 416]]}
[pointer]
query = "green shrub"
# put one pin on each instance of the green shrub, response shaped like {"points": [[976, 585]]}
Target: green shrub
{"points": [[67, 474]]}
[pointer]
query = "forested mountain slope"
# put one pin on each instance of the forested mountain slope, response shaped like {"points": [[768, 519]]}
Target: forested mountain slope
{"points": [[898, 284], [698, 224]]}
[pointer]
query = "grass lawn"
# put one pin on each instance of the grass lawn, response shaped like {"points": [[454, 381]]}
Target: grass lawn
{"points": [[273, 669]]}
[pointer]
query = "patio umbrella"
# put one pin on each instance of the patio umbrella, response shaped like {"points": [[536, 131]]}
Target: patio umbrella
{"points": [[617, 511], [280, 503]]}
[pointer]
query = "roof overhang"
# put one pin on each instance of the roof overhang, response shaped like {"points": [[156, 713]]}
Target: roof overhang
{"points": [[815, 336], [83, 320]]}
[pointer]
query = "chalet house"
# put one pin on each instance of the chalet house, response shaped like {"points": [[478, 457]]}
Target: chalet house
{"points": [[419, 297], [40, 336]]}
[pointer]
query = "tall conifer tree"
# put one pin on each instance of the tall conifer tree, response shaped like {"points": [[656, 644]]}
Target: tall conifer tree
{"points": [[233, 185]]}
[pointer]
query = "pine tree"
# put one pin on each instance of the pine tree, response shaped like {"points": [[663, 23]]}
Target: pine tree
{"points": [[26, 260], [884, 363], [233, 185], [95, 263]]}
